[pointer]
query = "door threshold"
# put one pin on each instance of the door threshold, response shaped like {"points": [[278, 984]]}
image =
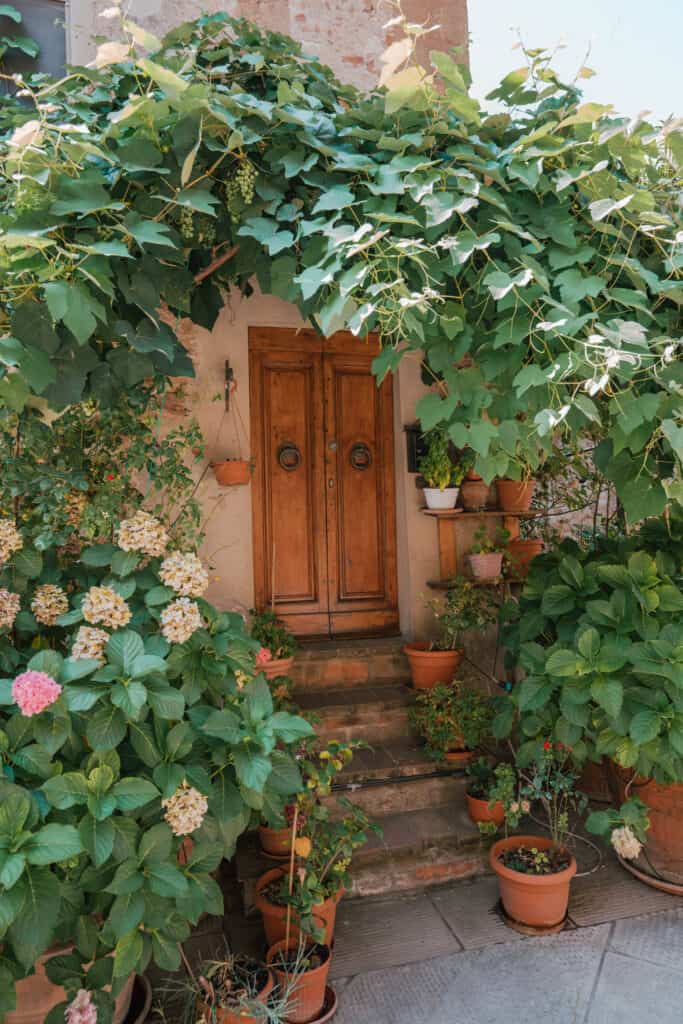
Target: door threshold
{"points": [[347, 638]]}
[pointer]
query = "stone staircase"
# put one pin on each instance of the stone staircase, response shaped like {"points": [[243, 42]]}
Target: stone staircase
{"points": [[361, 690]]}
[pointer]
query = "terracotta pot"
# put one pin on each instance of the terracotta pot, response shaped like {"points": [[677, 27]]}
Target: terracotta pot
{"points": [[141, 1001], [537, 900], [522, 553], [438, 499], [486, 567], [276, 842], [515, 495], [36, 995], [275, 917], [479, 811], [428, 668], [277, 667], [226, 1016], [232, 472], [474, 495], [458, 756], [663, 852], [471, 475], [306, 990]]}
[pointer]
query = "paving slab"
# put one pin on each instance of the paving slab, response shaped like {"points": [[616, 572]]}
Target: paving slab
{"points": [[657, 939], [470, 910], [632, 991], [610, 894], [551, 978], [372, 934]]}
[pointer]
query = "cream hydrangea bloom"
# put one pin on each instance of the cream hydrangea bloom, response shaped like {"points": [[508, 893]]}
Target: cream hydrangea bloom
{"points": [[185, 810], [142, 533], [75, 502], [10, 539], [102, 605], [185, 574], [626, 843], [49, 602], [90, 643], [9, 608], [179, 620]]}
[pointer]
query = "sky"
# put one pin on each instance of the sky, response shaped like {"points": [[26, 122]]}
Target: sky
{"points": [[635, 47]]}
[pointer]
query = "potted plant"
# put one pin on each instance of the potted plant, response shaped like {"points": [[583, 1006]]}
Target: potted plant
{"points": [[301, 966], [441, 475], [463, 607], [514, 495], [233, 472], [278, 646], [522, 550], [234, 990], [486, 553], [484, 806], [535, 872], [453, 720]]}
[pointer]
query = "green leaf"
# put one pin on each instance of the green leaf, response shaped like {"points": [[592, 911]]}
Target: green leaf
{"points": [[336, 198], [589, 644], [290, 728], [158, 595], [52, 843], [76, 668], [258, 699], [99, 555], [31, 932], [171, 84], [145, 664], [123, 563], [9, 11], [97, 838], [167, 703], [124, 647], [645, 726], [127, 912], [166, 880], [562, 663], [64, 791], [28, 562], [609, 694], [128, 953], [252, 769], [134, 792], [106, 728], [558, 599], [156, 844]]}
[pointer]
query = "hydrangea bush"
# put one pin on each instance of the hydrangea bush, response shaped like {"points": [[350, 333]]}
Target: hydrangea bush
{"points": [[131, 720]]}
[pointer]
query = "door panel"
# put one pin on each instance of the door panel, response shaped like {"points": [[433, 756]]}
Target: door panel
{"points": [[323, 497]]}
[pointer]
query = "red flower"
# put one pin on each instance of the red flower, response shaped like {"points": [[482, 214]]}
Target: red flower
{"points": [[110, 476], [547, 745]]}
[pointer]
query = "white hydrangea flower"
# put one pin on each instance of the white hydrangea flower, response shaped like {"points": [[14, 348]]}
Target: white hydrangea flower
{"points": [[10, 539], [102, 605], [179, 620], [49, 602], [185, 574], [75, 502], [9, 608], [185, 810], [626, 843], [142, 533], [90, 643]]}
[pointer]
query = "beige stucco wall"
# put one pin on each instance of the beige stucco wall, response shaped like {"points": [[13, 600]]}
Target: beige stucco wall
{"points": [[227, 511], [348, 35]]}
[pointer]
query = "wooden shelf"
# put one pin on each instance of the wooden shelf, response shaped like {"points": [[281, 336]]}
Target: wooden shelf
{"points": [[457, 513], [449, 584], [448, 536]]}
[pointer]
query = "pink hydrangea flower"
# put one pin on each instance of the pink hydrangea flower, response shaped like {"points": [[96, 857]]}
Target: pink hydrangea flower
{"points": [[81, 1009], [263, 656], [34, 691]]}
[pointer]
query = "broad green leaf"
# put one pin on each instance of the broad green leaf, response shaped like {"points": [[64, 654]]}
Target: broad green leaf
{"points": [[52, 843]]}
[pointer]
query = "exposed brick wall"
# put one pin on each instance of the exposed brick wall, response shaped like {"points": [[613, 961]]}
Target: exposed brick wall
{"points": [[346, 34]]}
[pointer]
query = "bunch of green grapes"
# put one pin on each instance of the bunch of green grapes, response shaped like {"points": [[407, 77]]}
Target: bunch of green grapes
{"points": [[239, 189], [186, 224], [30, 197]]}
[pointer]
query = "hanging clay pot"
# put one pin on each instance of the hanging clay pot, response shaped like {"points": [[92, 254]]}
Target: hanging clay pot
{"points": [[232, 472]]}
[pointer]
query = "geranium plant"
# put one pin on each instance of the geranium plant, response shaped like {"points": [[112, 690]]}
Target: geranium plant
{"points": [[272, 634], [451, 718]]}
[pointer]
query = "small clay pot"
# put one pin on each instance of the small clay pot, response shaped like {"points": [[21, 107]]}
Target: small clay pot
{"points": [[223, 1015], [522, 553], [232, 472], [474, 495], [460, 757], [277, 667], [471, 475], [436, 498], [479, 811], [427, 668], [276, 842], [515, 495], [275, 916], [305, 989], [486, 567], [540, 901]]}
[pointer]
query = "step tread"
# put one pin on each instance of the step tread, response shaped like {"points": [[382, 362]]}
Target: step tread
{"points": [[396, 759], [405, 832], [349, 648], [357, 699]]}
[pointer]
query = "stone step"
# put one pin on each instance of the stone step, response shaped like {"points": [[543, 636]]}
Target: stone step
{"points": [[349, 663], [374, 714]]}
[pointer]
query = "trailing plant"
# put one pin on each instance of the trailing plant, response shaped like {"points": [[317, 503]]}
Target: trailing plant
{"points": [[132, 718], [436, 465], [452, 717], [463, 607], [485, 544], [272, 634], [481, 777], [597, 635]]}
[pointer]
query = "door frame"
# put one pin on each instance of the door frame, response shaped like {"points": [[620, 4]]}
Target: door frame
{"points": [[333, 622]]}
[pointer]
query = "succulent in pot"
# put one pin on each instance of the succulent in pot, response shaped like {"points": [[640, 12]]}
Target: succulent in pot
{"points": [[464, 607], [453, 720], [535, 872], [442, 476], [486, 553], [278, 646], [301, 967]]}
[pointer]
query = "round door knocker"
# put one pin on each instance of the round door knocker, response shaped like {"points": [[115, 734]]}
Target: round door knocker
{"points": [[361, 457], [289, 456]]}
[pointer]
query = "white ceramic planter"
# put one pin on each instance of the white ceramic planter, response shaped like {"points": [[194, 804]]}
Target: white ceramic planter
{"points": [[436, 498]]}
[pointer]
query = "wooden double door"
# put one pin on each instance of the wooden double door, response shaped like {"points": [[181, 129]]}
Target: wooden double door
{"points": [[324, 520]]}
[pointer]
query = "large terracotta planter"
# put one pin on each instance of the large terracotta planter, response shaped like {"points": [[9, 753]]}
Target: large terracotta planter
{"points": [[306, 990], [428, 668], [36, 995], [277, 667], [232, 472], [480, 812], [537, 900], [474, 494], [276, 842], [275, 917], [436, 498], [663, 852], [522, 553], [515, 495], [225, 1016], [486, 567]]}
